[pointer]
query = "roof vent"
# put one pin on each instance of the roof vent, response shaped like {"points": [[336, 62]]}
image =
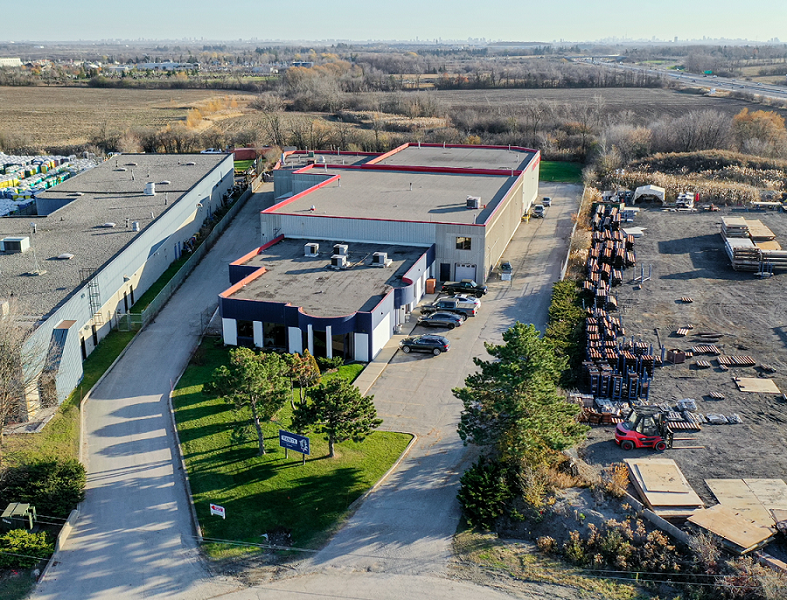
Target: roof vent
{"points": [[132, 164], [191, 163], [76, 194], [108, 225], [380, 259], [135, 226], [340, 249], [311, 249], [150, 189], [65, 256], [473, 202], [338, 262], [121, 169], [165, 182]]}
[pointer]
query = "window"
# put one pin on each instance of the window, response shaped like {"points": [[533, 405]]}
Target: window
{"points": [[463, 243]]}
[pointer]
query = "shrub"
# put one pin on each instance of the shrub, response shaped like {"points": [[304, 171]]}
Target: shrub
{"points": [[326, 364], [19, 542], [484, 493], [53, 485]]}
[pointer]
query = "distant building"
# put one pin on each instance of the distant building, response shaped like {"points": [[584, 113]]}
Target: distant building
{"points": [[10, 62], [167, 66], [303, 63]]}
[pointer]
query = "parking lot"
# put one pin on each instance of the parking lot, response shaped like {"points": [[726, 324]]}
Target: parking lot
{"points": [[687, 256], [406, 526]]}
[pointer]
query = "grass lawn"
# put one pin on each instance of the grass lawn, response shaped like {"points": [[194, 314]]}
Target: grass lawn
{"points": [[16, 583], [242, 165], [153, 291], [563, 172], [261, 493], [60, 437]]}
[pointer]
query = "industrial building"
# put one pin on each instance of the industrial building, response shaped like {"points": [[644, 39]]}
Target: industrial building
{"points": [[437, 211], [96, 244]]}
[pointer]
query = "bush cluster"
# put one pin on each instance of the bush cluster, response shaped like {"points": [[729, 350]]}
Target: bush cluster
{"points": [[19, 546], [53, 485]]}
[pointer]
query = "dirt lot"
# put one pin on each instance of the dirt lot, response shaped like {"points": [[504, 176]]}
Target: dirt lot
{"points": [[688, 259], [61, 116], [646, 103]]}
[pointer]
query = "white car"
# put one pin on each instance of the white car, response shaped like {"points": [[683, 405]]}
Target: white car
{"points": [[466, 298]]}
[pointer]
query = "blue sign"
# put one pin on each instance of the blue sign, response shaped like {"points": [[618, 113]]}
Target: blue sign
{"points": [[293, 441]]}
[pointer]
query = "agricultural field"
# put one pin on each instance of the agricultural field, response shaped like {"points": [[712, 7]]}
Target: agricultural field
{"points": [[646, 103], [69, 116]]}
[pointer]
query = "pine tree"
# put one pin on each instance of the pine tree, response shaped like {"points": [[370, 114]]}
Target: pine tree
{"points": [[253, 380], [338, 410], [512, 404]]}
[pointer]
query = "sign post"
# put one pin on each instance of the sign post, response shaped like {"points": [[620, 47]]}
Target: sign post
{"points": [[215, 509], [293, 441]]}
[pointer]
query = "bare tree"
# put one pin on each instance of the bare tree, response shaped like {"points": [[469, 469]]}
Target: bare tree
{"points": [[14, 378]]}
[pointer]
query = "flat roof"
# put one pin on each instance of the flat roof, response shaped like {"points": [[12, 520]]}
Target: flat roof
{"points": [[109, 195], [310, 283], [383, 194], [301, 158], [465, 157]]}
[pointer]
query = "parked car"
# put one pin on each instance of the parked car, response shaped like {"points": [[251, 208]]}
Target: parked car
{"points": [[436, 344], [460, 306], [546, 201], [442, 319], [465, 298], [539, 211], [466, 286]]}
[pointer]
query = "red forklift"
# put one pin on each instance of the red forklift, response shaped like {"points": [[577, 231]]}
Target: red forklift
{"points": [[645, 427]]}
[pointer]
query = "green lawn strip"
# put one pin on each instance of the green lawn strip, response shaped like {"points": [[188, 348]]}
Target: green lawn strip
{"points": [[60, 437], [564, 172], [242, 165], [16, 584], [153, 291], [261, 493]]}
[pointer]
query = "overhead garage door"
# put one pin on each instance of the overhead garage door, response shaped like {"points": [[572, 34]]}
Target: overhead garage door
{"points": [[465, 272]]}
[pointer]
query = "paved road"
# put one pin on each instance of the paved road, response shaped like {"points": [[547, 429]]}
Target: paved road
{"points": [[713, 82], [133, 537]]}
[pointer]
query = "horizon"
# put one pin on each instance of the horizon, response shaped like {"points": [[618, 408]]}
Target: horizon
{"points": [[87, 21]]}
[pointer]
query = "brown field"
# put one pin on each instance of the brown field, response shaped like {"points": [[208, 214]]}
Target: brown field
{"points": [[647, 103], [64, 116]]}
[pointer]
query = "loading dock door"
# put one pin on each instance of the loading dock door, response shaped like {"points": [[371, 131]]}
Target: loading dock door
{"points": [[464, 271]]}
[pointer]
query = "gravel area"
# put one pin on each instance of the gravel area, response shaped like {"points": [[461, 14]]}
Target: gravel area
{"points": [[687, 254]]}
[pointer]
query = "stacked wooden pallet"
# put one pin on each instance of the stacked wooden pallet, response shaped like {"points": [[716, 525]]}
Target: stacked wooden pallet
{"points": [[759, 232], [736, 361], [743, 254], [706, 349], [734, 227]]}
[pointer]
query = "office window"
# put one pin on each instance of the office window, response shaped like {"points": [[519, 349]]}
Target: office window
{"points": [[463, 243]]}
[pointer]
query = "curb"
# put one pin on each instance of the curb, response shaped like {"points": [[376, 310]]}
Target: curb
{"points": [[358, 501]]}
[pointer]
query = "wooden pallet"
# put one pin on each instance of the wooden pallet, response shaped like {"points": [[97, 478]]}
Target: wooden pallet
{"points": [[687, 300], [706, 349], [702, 364], [740, 360], [716, 395]]}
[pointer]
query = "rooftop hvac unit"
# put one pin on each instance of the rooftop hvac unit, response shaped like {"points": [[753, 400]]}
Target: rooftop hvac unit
{"points": [[380, 259], [340, 249], [339, 261], [150, 189], [15, 245], [135, 226], [473, 202], [311, 249]]}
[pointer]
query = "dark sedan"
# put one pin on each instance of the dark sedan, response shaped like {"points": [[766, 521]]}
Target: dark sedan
{"points": [[434, 344], [441, 319]]}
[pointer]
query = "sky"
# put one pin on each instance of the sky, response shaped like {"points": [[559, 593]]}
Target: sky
{"points": [[427, 20]]}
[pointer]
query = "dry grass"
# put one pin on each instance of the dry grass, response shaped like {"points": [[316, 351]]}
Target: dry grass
{"points": [[523, 563], [65, 116]]}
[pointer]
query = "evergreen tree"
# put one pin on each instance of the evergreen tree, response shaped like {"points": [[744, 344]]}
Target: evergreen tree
{"points": [[338, 410], [256, 381], [512, 404]]}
